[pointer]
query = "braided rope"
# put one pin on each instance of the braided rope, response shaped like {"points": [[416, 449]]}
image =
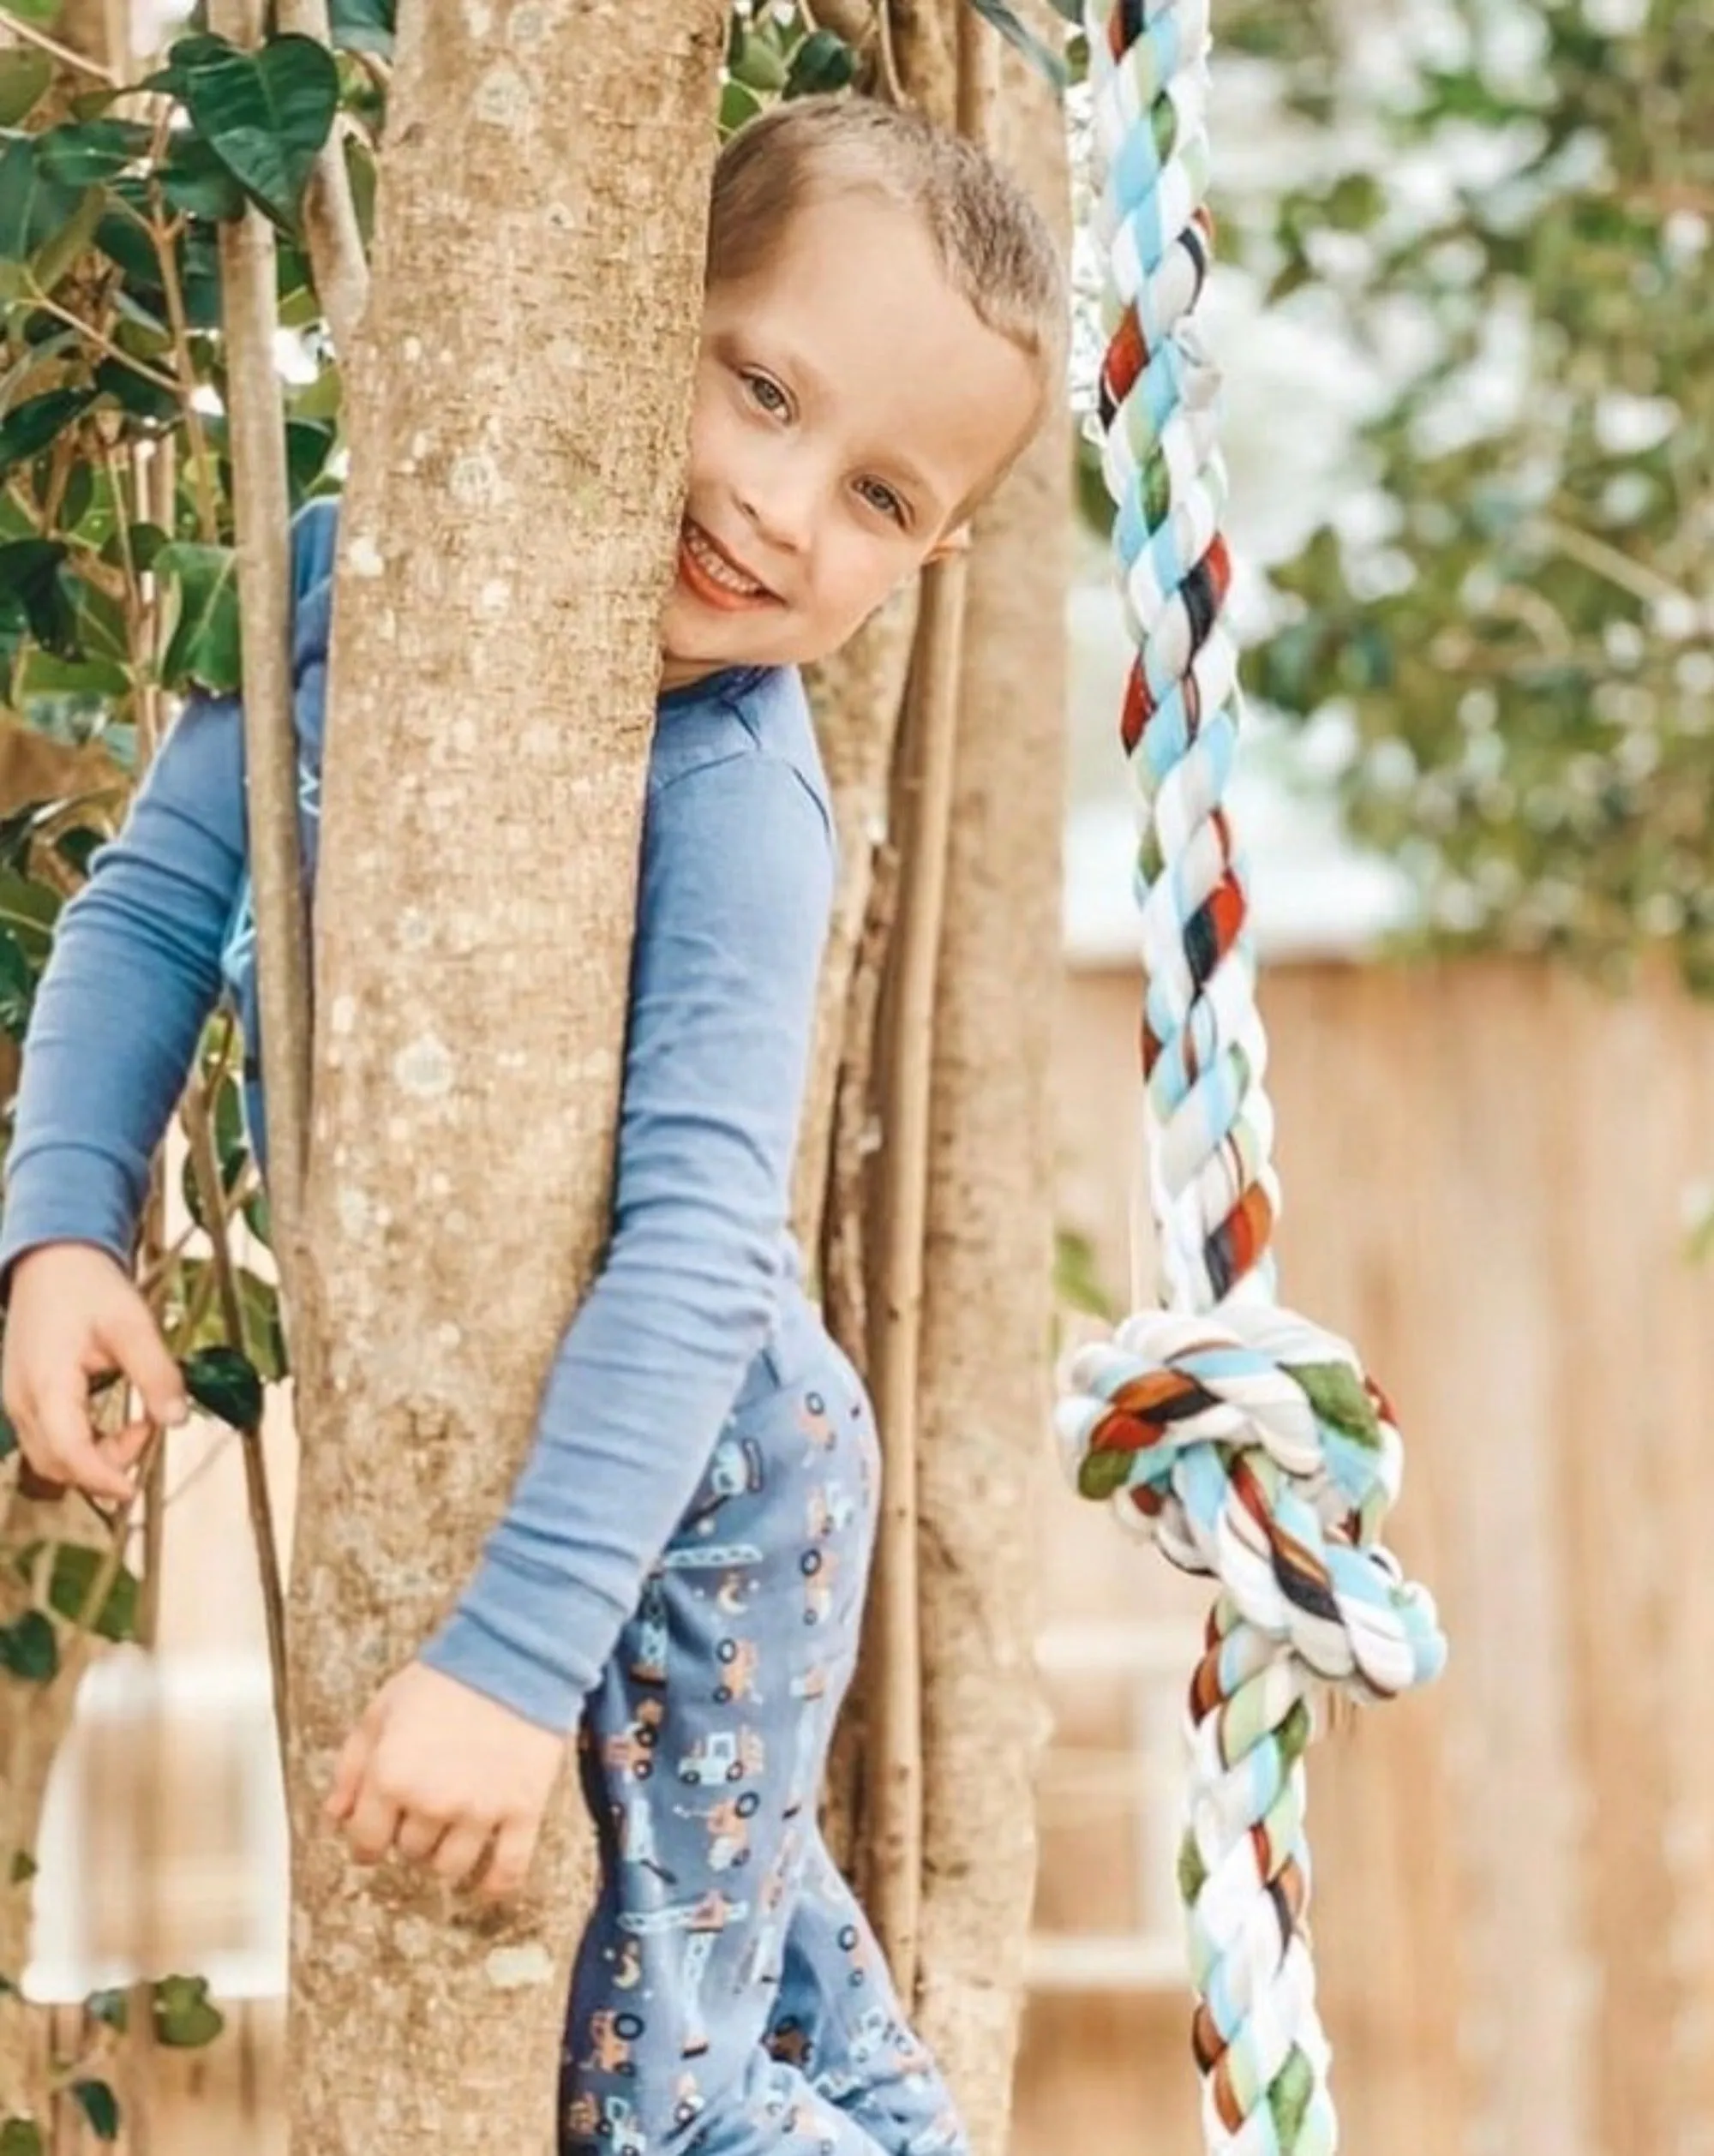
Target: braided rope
{"points": [[1247, 1442]]}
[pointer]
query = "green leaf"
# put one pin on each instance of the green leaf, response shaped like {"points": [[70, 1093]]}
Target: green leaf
{"points": [[100, 2107], [66, 246], [320, 400], [18, 979], [265, 115], [225, 1383], [89, 153], [125, 241], [822, 62], [136, 394], [75, 847], [44, 675], [363, 25], [28, 429], [24, 1868], [760, 64], [28, 910], [205, 647], [21, 2137], [32, 593], [185, 2016], [112, 2008], [71, 1581], [1337, 1395], [9, 1436], [30, 1648], [1047, 63], [38, 214], [308, 444], [738, 107], [24, 74], [194, 180], [32, 207]]}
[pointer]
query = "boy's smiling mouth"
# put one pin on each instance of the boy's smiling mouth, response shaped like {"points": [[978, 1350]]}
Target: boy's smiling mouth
{"points": [[712, 576]]}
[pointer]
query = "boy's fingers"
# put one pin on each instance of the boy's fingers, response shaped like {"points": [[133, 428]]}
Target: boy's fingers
{"points": [[371, 1827], [510, 1866], [418, 1837], [460, 1850], [68, 1447], [127, 1447], [348, 1776], [131, 1337]]}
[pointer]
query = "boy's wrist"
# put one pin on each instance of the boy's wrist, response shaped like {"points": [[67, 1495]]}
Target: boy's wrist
{"points": [[535, 1642]]}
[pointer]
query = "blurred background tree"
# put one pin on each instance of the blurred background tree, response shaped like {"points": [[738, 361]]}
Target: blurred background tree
{"points": [[1500, 633]]}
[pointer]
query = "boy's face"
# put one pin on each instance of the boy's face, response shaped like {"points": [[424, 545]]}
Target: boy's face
{"points": [[847, 402]]}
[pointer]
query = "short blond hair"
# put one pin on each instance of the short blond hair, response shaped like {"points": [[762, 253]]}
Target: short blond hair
{"points": [[995, 248]]}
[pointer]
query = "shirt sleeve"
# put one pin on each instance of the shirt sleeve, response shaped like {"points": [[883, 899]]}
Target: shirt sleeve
{"points": [[134, 974], [735, 895], [135, 967]]}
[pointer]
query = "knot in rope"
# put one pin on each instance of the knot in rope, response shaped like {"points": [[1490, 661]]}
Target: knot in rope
{"points": [[1252, 1447]]}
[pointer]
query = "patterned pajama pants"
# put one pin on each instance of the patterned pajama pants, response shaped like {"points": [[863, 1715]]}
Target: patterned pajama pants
{"points": [[729, 1997]]}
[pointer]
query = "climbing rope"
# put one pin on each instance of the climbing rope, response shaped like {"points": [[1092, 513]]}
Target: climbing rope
{"points": [[1247, 1442]]}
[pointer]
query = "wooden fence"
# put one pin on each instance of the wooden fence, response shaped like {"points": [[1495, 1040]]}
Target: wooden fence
{"points": [[1486, 1170], [1487, 1167]]}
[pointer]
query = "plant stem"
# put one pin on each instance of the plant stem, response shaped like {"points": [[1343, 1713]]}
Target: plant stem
{"points": [[103, 345], [330, 215], [165, 235], [206, 1167], [79, 62]]}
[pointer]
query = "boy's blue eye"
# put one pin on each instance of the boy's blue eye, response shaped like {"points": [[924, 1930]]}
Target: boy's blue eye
{"points": [[767, 393], [883, 499]]}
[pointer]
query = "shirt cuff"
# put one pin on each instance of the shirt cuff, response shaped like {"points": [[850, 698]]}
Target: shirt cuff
{"points": [[66, 1193], [537, 1642]]}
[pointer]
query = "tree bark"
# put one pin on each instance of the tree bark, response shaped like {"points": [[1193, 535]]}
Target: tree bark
{"points": [[518, 395], [986, 1393], [34, 1721]]}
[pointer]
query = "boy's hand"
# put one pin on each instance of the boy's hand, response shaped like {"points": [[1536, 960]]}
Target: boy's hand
{"points": [[436, 1771], [76, 1315]]}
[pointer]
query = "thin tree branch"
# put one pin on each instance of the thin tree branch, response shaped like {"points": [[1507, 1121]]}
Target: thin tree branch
{"points": [[106, 345], [201, 465], [330, 214], [261, 505], [206, 1165], [78, 61]]}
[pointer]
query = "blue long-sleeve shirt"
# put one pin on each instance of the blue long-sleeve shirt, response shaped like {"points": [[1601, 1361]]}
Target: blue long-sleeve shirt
{"points": [[700, 1289]]}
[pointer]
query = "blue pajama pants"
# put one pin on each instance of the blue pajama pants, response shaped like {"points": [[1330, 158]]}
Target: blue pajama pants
{"points": [[729, 1997]]}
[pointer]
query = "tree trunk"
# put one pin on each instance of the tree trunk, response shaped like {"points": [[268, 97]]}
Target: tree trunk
{"points": [[518, 397], [34, 1721], [985, 1397]]}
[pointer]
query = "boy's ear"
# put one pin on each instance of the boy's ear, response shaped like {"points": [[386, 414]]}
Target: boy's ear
{"points": [[957, 541]]}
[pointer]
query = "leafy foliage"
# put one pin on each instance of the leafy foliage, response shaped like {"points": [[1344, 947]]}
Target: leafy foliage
{"points": [[1504, 624]]}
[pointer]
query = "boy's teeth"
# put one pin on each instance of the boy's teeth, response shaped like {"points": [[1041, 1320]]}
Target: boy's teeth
{"points": [[716, 564]]}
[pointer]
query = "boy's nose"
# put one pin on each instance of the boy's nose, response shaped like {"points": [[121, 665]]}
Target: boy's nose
{"points": [[781, 516]]}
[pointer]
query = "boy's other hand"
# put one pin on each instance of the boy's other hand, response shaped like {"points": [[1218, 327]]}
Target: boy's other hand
{"points": [[76, 1315], [435, 1771]]}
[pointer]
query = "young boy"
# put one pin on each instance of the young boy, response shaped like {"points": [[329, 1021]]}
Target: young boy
{"points": [[682, 1564]]}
